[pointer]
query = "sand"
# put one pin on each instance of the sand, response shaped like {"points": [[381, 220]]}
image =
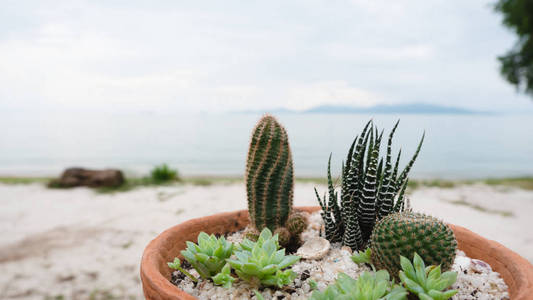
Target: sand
{"points": [[78, 244]]}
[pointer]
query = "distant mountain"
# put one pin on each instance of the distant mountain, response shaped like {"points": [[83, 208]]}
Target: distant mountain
{"points": [[412, 108], [278, 110]]}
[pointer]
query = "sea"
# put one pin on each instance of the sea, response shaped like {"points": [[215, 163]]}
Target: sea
{"points": [[463, 146]]}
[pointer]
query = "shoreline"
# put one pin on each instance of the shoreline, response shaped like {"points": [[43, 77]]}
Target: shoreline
{"points": [[523, 182]]}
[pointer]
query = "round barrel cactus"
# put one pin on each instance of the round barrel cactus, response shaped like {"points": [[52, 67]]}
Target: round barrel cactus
{"points": [[404, 233]]}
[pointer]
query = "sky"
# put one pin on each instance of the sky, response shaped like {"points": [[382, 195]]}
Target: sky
{"points": [[217, 56]]}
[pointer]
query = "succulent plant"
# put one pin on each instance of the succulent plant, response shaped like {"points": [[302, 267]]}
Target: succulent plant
{"points": [[269, 178], [427, 283], [224, 278], [176, 265], [370, 185], [404, 233], [263, 262], [362, 257], [209, 256], [368, 286]]}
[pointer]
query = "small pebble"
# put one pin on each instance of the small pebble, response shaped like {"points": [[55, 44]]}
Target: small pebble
{"points": [[314, 248]]}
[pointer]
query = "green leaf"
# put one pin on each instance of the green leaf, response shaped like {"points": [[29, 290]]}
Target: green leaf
{"points": [[380, 289], [202, 270], [420, 269], [434, 272], [345, 283], [270, 280], [270, 269], [424, 296], [411, 285], [242, 255], [219, 251], [397, 293], [288, 260], [258, 295], [448, 294], [224, 278], [175, 264], [361, 257], [312, 284], [407, 267], [277, 256], [269, 247], [382, 275], [192, 247], [247, 245], [214, 265], [243, 275], [203, 237], [251, 269], [235, 263], [449, 277], [201, 257], [188, 255], [266, 234]]}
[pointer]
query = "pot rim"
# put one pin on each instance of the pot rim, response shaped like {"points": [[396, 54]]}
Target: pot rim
{"points": [[516, 271]]}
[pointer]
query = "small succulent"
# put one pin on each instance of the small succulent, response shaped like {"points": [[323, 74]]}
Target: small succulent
{"points": [[426, 282], [369, 286], [263, 262], [362, 257], [209, 256], [176, 265], [224, 278]]}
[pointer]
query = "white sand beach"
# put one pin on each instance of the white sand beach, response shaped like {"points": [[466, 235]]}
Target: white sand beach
{"points": [[79, 244]]}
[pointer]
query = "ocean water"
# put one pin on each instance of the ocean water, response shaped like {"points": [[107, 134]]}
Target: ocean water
{"points": [[456, 146]]}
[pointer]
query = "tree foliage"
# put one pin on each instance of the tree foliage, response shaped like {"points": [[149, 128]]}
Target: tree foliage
{"points": [[517, 64]]}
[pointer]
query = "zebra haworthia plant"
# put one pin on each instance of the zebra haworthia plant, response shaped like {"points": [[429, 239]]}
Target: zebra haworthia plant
{"points": [[372, 187], [269, 181]]}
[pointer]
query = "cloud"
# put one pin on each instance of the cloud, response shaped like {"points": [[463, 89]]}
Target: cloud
{"points": [[379, 55], [329, 92], [235, 56]]}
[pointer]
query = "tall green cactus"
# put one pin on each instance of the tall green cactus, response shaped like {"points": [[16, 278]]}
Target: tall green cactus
{"points": [[269, 175]]}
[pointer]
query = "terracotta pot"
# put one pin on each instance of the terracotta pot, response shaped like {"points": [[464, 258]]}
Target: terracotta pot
{"points": [[516, 271]]}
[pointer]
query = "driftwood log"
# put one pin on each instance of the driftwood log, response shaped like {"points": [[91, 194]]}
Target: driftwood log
{"points": [[73, 177]]}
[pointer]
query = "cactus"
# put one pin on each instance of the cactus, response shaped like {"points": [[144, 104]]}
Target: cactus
{"points": [[297, 223], [269, 180], [284, 236], [404, 233], [370, 186]]}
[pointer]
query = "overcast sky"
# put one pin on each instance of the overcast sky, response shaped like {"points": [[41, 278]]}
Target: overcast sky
{"points": [[166, 56]]}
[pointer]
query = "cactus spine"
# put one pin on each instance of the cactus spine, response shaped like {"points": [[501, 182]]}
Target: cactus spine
{"points": [[404, 234], [269, 176]]}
